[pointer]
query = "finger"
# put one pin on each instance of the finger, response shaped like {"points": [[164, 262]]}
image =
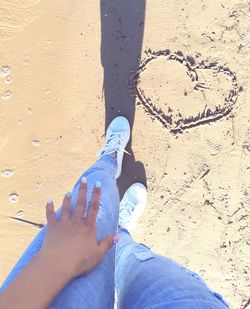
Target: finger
{"points": [[94, 204], [66, 206], [50, 213], [81, 199], [106, 243]]}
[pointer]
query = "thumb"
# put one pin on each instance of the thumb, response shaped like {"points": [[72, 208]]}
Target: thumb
{"points": [[106, 243]]}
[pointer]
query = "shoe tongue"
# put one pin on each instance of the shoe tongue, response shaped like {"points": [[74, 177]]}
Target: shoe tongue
{"points": [[136, 197], [133, 200]]}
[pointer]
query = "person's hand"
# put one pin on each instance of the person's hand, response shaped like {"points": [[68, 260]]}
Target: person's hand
{"points": [[70, 243], [70, 249]]}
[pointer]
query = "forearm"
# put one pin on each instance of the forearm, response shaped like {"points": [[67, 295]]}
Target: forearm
{"points": [[36, 286]]}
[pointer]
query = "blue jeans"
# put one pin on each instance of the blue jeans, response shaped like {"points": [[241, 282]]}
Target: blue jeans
{"points": [[142, 278]]}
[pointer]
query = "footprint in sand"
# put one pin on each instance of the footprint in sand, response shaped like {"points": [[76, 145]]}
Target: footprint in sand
{"points": [[7, 172], [7, 95], [183, 92], [7, 80], [213, 147], [5, 71], [29, 111], [20, 214], [4, 74], [197, 170], [35, 143], [13, 197]]}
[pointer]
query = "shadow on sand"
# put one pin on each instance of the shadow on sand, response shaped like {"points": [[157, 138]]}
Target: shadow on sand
{"points": [[122, 27]]}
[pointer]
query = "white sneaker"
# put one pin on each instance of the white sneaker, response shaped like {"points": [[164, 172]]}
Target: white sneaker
{"points": [[132, 206], [117, 137]]}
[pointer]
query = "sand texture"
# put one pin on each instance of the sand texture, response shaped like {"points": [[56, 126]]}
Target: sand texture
{"points": [[179, 71]]}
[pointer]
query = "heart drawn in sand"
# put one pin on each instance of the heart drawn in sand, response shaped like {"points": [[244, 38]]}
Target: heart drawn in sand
{"points": [[182, 92]]}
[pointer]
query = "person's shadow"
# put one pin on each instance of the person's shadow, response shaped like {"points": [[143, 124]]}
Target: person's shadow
{"points": [[122, 27]]}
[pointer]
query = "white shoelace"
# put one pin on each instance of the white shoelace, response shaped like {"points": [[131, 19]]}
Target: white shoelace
{"points": [[114, 143], [126, 211]]}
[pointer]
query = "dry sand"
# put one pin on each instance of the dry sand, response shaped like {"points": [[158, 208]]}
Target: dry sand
{"points": [[61, 80]]}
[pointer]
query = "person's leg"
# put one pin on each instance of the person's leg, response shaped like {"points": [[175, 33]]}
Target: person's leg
{"points": [[95, 290], [147, 280]]}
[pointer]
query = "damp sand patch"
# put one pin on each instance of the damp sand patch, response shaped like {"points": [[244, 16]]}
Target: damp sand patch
{"points": [[15, 15]]}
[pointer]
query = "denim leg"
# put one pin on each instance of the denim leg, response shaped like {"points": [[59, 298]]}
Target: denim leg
{"points": [[147, 280], [96, 289]]}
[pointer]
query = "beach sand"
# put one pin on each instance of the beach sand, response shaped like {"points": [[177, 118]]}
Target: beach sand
{"points": [[66, 69]]}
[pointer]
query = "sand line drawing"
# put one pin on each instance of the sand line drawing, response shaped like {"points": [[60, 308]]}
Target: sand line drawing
{"points": [[177, 123], [35, 224]]}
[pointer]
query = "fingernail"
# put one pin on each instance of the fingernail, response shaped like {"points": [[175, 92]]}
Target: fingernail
{"points": [[49, 202], [84, 179], [116, 239], [69, 194], [98, 184]]}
